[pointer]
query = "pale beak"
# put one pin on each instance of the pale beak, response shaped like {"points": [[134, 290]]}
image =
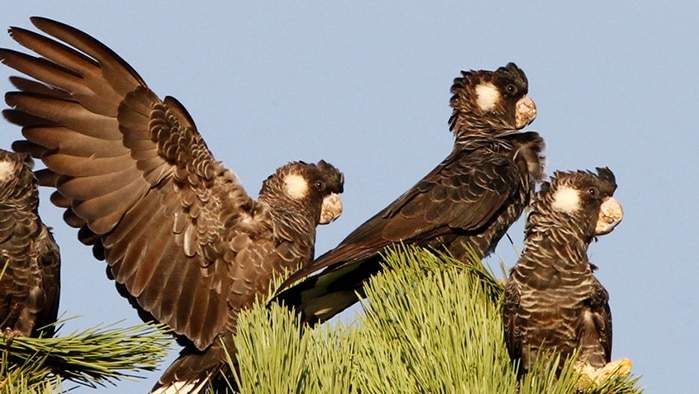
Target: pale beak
{"points": [[331, 209], [525, 112], [610, 215]]}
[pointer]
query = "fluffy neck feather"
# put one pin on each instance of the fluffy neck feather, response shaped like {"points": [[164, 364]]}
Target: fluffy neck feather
{"points": [[294, 220], [554, 243], [20, 190]]}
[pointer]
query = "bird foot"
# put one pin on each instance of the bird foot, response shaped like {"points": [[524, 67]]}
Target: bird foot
{"points": [[596, 376], [11, 334]]}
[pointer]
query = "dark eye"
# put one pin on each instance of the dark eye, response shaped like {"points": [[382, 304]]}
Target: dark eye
{"points": [[320, 185], [511, 89], [593, 191]]}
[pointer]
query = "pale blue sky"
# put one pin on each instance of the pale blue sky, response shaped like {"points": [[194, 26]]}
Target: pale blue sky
{"points": [[366, 86]]}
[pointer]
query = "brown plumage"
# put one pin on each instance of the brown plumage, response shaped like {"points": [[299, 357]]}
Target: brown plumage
{"points": [[553, 301], [468, 201], [29, 257], [183, 239]]}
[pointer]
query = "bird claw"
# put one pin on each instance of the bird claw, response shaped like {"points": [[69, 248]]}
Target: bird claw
{"points": [[10, 335], [596, 376]]}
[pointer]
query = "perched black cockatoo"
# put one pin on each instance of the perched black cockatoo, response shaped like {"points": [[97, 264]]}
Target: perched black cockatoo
{"points": [[30, 262], [182, 238], [465, 205], [553, 301]]}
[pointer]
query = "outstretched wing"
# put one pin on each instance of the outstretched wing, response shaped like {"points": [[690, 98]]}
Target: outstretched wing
{"points": [[133, 173]]}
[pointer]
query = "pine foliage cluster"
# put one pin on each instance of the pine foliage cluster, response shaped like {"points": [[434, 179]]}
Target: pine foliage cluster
{"points": [[93, 357], [430, 325]]}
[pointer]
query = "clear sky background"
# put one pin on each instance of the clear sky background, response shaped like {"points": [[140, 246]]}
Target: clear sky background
{"points": [[365, 85]]}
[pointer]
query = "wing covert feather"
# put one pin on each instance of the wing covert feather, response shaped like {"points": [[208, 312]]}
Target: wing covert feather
{"points": [[455, 195]]}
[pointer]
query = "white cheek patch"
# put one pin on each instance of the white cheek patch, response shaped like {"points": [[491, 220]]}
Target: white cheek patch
{"points": [[566, 199], [7, 169], [487, 96], [296, 186]]}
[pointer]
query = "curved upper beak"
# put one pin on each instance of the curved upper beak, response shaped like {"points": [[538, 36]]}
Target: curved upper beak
{"points": [[331, 208], [610, 215], [525, 112]]}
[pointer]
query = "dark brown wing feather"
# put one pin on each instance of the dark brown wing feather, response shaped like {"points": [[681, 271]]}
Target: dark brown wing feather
{"points": [[133, 172], [50, 261], [511, 312], [595, 327], [457, 195]]}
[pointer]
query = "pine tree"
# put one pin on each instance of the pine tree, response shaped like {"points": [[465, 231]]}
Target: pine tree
{"points": [[430, 325]]}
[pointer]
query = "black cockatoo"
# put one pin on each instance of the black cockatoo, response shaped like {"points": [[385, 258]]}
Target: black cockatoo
{"points": [[182, 238], [30, 262], [465, 205], [553, 300]]}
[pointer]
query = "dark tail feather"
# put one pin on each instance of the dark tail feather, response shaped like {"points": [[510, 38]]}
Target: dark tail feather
{"points": [[320, 297], [195, 371]]}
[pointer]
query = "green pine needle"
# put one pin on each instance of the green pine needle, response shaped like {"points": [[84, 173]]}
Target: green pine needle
{"points": [[92, 357], [434, 317], [269, 341]]}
